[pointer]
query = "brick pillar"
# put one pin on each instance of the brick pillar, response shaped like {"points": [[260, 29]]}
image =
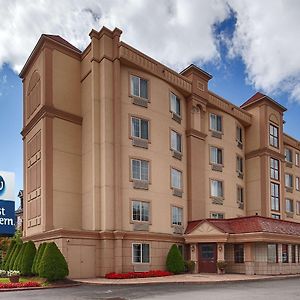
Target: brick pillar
{"points": [[249, 258], [220, 254], [195, 256]]}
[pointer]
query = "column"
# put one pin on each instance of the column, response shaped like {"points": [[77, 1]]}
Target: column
{"points": [[249, 258], [195, 256]]}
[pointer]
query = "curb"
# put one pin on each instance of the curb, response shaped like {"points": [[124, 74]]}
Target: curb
{"points": [[271, 278], [40, 287]]}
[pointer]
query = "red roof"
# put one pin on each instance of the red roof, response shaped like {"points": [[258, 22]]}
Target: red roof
{"points": [[60, 40], [249, 224]]}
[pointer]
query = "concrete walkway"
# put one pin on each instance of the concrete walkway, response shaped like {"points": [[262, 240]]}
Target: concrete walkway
{"points": [[185, 278]]}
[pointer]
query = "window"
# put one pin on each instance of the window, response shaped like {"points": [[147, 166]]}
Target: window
{"points": [[216, 215], [139, 128], [285, 253], [274, 168], [275, 216], [177, 214], [239, 134], [140, 169], [216, 188], [240, 195], [140, 211], [239, 164], [273, 136], [297, 159], [140, 253], [272, 253], [175, 104], [176, 179], [288, 180], [238, 253], [288, 155], [293, 252], [289, 205], [175, 141], [215, 123], [297, 183], [139, 87], [298, 208], [216, 155], [275, 196]]}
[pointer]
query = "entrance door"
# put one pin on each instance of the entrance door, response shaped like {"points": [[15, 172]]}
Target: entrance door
{"points": [[207, 258]]}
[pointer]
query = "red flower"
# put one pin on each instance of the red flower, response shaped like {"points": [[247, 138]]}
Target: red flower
{"points": [[153, 273], [19, 285]]}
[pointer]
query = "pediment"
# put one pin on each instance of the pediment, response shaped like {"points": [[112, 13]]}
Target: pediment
{"points": [[205, 229]]}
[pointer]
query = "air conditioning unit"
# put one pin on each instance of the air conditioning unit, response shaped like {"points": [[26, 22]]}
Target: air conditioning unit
{"points": [[176, 154], [176, 118], [218, 168], [140, 143], [140, 101], [140, 184], [141, 226], [177, 192], [178, 229]]}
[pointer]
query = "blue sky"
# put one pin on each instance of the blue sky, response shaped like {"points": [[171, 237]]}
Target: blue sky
{"points": [[243, 47]]}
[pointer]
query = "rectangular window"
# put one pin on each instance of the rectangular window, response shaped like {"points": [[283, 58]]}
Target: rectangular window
{"points": [[177, 215], [285, 253], [216, 215], [140, 169], [274, 168], [175, 141], [275, 196], [240, 195], [176, 179], [175, 104], [289, 205], [298, 207], [216, 188], [297, 159], [216, 155], [297, 183], [288, 180], [239, 164], [215, 123], [275, 216], [239, 134], [293, 253], [238, 253], [288, 155], [273, 136], [139, 87], [272, 253], [139, 128], [140, 211], [140, 253]]}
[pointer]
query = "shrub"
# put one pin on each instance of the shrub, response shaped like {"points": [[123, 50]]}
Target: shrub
{"points": [[14, 256], [189, 266], [36, 258], [175, 262], [27, 258], [53, 265], [17, 263], [154, 273], [8, 255], [39, 258]]}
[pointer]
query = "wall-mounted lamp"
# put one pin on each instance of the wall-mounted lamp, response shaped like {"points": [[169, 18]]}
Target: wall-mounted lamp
{"points": [[220, 248], [193, 248]]}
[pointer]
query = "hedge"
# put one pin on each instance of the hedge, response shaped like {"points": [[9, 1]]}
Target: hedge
{"points": [[9, 254], [53, 265], [14, 256], [175, 262], [27, 258], [34, 269], [17, 263]]}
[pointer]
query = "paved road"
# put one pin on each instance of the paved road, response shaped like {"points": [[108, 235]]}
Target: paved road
{"points": [[263, 290]]}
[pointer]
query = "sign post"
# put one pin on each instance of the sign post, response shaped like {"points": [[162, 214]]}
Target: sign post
{"points": [[7, 204]]}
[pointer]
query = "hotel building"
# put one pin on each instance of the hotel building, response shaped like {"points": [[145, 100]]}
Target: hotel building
{"points": [[124, 157]]}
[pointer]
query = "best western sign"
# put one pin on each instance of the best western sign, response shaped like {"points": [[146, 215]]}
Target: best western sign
{"points": [[7, 204]]}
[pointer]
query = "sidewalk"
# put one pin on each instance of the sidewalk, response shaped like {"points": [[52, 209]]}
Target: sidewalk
{"points": [[185, 279]]}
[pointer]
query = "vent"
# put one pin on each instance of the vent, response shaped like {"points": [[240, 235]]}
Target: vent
{"points": [[141, 226], [177, 192], [176, 154], [176, 118], [140, 143], [218, 168], [218, 201], [141, 184], [216, 134], [140, 101], [178, 229]]}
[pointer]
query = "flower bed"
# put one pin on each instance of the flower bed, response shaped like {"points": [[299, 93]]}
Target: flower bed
{"points": [[19, 285], [155, 273]]}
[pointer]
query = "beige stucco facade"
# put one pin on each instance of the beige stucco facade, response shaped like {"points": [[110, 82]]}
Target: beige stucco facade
{"points": [[79, 149]]}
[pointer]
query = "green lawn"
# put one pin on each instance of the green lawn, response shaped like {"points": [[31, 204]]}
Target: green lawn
{"points": [[24, 279]]}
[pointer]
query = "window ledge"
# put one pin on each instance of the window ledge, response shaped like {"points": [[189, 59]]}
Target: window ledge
{"points": [[240, 144], [289, 214], [141, 226], [176, 192], [240, 175], [177, 229]]}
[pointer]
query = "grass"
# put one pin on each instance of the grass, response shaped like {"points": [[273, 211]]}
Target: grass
{"points": [[25, 279]]}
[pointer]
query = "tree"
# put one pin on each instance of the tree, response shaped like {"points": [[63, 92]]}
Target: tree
{"points": [[175, 262], [53, 265], [27, 258], [37, 258], [14, 256], [8, 255], [17, 263]]}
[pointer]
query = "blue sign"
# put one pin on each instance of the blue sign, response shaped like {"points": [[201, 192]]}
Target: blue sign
{"points": [[7, 218], [2, 186]]}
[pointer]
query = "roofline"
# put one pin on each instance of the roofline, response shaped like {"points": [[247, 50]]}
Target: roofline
{"points": [[200, 70], [268, 98]]}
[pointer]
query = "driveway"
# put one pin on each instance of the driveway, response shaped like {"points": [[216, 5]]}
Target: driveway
{"points": [[262, 290]]}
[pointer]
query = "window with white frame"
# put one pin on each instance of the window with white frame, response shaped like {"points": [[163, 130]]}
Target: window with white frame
{"points": [[175, 104], [297, 183], [140, 253], [288, 155], [239, 164], [240, 194], [275, 196], [140, 169], [139, 128], [288, 180], [139, 87], [216, 155], [177, 216], [175, 141], [140, 211], [215, 122], [297, 159], [215, 215], [272, 253], [289, 205], [216, 188], [273, 135], [274, 168], [176, 179], [239, 134], [298, 207]]}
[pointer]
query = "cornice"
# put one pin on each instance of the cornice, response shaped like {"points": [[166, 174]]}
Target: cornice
{"points": [[264, 151]]}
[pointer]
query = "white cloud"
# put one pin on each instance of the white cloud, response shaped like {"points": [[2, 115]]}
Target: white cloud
{"points": [[267, 39]]}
